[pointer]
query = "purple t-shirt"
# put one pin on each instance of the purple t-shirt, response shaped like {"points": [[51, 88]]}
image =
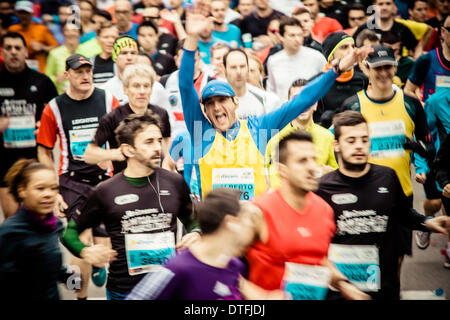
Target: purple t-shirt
{"points": [[184, 277]]}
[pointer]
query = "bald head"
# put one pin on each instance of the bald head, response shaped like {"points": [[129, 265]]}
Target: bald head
{"points": [[123, 13]]}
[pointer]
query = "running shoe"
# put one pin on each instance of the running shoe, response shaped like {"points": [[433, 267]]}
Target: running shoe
{"points": [[422, 240], [98, 276], [447, 259]]}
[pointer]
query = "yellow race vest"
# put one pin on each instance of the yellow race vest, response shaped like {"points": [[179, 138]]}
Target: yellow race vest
{"points": [[236, 164], [389, 125]]}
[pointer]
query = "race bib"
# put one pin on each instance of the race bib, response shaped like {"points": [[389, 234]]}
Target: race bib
{"points": [[79, 140], [148, 251], [242, 179], [20, 132], [306, 282], [387, 139], [360, 264], [442, 82]]}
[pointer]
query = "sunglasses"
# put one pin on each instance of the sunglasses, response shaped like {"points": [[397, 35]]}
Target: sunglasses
{"points": [[151, 17], [356, 18], [446, 28]]}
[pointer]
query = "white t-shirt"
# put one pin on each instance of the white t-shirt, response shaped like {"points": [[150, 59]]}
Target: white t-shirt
{"points": [[159, 96], [256, 102], [283, 70]]}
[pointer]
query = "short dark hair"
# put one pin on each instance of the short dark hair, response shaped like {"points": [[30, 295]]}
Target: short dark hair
{"points": [[130, 127], [103, 13], [225, 57], [390, 37], [297, 84], [357, 7], [148, 23], [300, 10], [298, 135], [348, 118], [288, 21], [105, 26], [412, 3], [215, 206], [13, 35], [365, 34]]}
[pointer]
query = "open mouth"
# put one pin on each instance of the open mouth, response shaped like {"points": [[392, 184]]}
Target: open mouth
{"points": [[221, 117]]}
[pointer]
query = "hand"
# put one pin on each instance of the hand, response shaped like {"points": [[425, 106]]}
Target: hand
{"points": [[98, 255], [60, 206], [421, 178], [171, 16], [358, 55], [4, 123], [169, 164], [197, 22], [439, 224], [350, 292], [117, 155], [188, 240], [104, 165], [446, 191], [47, 18]]}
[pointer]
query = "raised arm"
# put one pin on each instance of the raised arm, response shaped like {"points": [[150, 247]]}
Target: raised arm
{"points": [[195, 23]]}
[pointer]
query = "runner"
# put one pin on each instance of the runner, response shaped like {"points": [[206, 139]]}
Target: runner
{"points": [[322, 139], [293, 228], [393, 118], [30, 258], [23, 95], [73, 117], [139, 208], [138, 81], [235, 156], [368, 201], [208, 269]]}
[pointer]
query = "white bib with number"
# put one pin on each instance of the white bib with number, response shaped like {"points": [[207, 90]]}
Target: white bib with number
{"points": [[387, 139], [306, 282], [79, 140], [20, 132], [148, 251], [242, 179], [359, 263]]}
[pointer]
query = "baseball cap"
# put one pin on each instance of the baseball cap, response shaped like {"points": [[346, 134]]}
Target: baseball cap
{"points": [[332, 42], [77, 60], [26, 6], [381, 56], [216, 88]]}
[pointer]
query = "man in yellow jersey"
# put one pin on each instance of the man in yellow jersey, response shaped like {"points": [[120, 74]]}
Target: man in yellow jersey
{"points": [[322, 139], [393, 119], [229, 152]]}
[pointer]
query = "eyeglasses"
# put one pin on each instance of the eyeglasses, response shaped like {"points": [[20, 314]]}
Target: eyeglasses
{"points": [[151, 17], [356, 18]]}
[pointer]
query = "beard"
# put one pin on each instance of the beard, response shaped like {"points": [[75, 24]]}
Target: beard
{"points": [[149, 162], [354, 167]]}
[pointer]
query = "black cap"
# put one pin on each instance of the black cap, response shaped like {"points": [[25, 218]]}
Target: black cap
{"points": [[381, 56], [77, 60], [332, 42]]}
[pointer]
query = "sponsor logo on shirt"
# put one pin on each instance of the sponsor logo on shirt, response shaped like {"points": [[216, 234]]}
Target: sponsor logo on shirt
{"points": [[305, 233], [164, 192], [6, 92], [344, 198], [383, 190], [222, 289], [126, 199]]}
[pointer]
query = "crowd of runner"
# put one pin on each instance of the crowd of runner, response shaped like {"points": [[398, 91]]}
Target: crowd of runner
{"points": [[221, 149]]}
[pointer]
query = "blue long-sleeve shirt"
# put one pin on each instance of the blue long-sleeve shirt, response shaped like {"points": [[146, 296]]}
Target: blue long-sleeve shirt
{"points": [[262, 128]]}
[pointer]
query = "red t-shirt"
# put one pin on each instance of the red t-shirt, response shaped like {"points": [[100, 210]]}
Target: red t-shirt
{"points": [[324, 26], [293, 236]]}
